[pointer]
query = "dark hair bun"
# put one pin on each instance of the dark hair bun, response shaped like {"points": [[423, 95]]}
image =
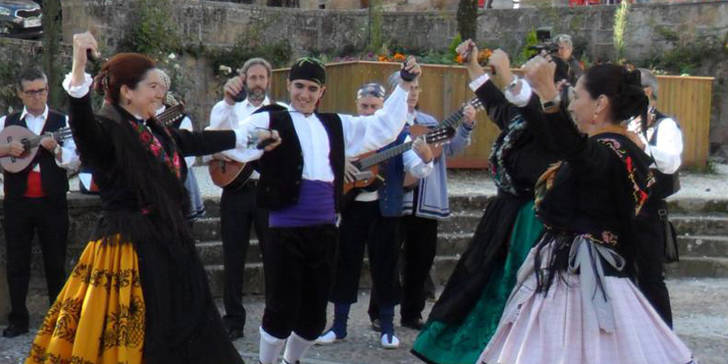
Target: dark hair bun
{"points": [[631, 100], [622, 87]]}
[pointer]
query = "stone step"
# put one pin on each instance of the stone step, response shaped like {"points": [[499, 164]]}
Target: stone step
{"points": [[208, 229], [477, 203], [253, 276], [470, 211], [700, 224], [703, 246], [699, 267], [444, 265], [460, 222], [252, 279], [211, 252]]}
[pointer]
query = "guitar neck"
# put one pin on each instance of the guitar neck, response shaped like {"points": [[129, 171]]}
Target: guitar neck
{"points": [[170, 115], [60, 134], [384, 155], [454, 119]]}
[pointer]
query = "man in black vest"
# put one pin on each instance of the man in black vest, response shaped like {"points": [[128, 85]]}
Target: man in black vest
{"points": [[35, 198], [301, 182], [663, 142]]}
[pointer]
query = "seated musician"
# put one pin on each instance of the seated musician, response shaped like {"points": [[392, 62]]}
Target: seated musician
{"points": [[373, 219]]}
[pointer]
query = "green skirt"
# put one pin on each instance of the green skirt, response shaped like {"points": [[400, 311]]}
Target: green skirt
{"points": [[443, 343]]}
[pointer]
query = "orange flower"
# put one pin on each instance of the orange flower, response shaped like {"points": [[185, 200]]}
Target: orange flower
{"points": [[382, 59], [399, 57], [483, 55], [459, 59]]}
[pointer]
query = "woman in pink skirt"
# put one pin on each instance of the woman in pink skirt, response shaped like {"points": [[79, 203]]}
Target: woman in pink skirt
{"points": [[574, 301]]}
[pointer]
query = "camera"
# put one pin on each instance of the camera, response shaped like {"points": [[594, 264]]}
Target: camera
{"points": [[545, 44]]}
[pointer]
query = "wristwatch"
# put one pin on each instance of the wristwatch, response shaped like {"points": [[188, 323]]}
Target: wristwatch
{"points": [[552, 105], [512, 85]]}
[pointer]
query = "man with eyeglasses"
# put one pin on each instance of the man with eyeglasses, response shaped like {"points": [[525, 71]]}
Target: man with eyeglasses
{"points": [[35, 198]]}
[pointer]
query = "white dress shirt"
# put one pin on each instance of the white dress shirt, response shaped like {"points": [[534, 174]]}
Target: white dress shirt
{"points": [[361, 134], [69, 158], [224, 116], [668, 149]]}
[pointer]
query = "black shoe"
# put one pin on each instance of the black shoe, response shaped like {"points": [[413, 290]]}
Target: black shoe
{"points": [[14, 330], [376, 325], [415, 324], [234, 334]]}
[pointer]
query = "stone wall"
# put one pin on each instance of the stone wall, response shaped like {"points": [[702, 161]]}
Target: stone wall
{"points": [[14, 55], [652, 29]]}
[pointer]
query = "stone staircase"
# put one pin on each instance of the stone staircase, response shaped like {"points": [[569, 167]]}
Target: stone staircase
{"points": [[702, 227], [703, 244]]}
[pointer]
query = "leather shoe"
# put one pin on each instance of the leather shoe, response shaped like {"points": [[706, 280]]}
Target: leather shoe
{"points": [[234, 334], [14, 330], [415, 324], [376, 325]]}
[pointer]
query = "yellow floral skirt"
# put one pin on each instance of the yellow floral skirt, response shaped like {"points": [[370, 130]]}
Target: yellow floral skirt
{"points": [[98, 318]]}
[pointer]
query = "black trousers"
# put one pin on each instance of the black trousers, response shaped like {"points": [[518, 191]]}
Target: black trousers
{"points": [[420, 247], [238, 213], [418, 242], [650, 253], [356, 231], [384, 262], [299, 264], [23, 218]]}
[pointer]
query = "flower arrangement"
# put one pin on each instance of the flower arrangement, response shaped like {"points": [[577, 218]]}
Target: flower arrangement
{"points": [[483, 56], [397, 57]]}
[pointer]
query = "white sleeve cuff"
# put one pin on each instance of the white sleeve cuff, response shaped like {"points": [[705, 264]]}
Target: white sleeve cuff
{"points": [[78, 91], [480, 81], [241, 139], [521, 99]]}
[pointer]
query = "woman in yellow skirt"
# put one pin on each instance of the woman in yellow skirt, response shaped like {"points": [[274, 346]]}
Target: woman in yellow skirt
{"points": [[139, 293]]}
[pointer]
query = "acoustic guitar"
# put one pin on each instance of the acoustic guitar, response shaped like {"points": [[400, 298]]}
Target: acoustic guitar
{"points": [[232, 174], [368, 163], [31, 143], [452, 121]]}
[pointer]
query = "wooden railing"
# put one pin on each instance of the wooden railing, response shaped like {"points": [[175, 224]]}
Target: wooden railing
{"points": [[445, 88]]}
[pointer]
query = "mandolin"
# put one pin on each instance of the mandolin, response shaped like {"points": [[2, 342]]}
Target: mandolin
{"points": [[31, 142]]}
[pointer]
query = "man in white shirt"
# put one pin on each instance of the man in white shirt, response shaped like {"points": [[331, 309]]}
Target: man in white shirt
{"points": [[662, 140], [302, 176], [35, 198], [373, 219], [238, 209]]}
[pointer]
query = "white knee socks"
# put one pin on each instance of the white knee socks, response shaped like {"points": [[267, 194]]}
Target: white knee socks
{"points": [[295, 348], [270, 347]]}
